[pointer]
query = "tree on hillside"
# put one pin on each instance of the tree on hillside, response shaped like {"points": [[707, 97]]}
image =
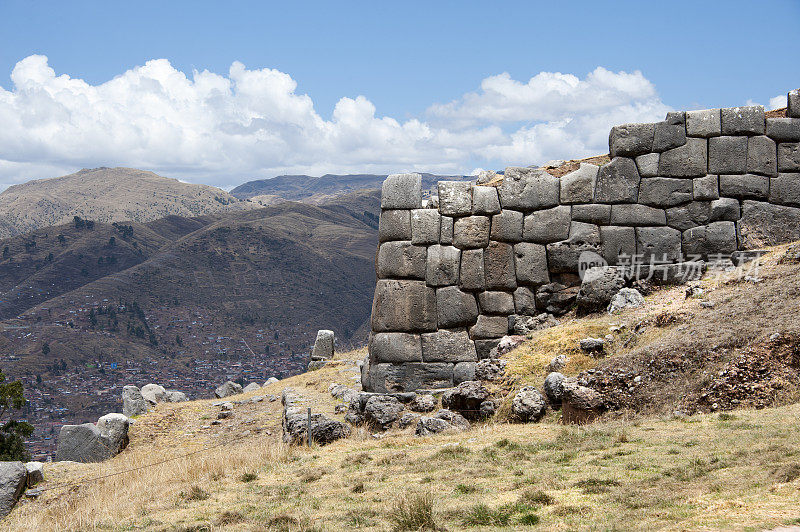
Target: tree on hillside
{"points": [[12, 432]]}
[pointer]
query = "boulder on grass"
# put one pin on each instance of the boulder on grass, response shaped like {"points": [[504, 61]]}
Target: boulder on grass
{"points": [[253, 386], [466, 399], [625, 298], [381, 411], [528, 405], [13, 477], [82, 443], [600, 284], [554, 388], [227, 389], [153, 393], [133, 404], [35, 471], [443, 421], [114, 429], [580, 405]]}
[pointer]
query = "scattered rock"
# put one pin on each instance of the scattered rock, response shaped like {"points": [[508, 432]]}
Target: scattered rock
{"points": [[490, 369], [509, 343], [114, 428], [153, 393], [35, 472], [381, 411], [443, 421], [554, 388], [13, 477], [225, 414], [791, 255], [557, 364], [32, 493], [625, 298], [174, 396], [408, 419], [342, 392], [82, 443], [528, 405], [466, 399], [580, 405], [525, 325], [488, 409], [271, 380], [228, 389], [323, 345], [314, 365], [253, 386], [323, 430], [133, 404], [423, 403], [599, 286], [591, 345]]}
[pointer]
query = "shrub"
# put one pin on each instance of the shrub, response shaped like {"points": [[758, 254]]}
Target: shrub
{"points": [[414, 512], [248, 477]]}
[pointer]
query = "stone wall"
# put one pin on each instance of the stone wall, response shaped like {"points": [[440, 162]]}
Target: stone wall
{"points": [[454, 274]]}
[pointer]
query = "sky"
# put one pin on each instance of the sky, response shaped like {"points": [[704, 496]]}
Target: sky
{"points": [[222, 93]]}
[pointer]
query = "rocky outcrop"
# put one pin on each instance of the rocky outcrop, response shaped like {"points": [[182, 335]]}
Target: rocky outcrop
{"points": [[228, 389], [624, 299], [443, 421], [322, 430], [114, 430], [133, 403], [600, 284], [252, 387], [528, 405], [153, 393], [13, 478], [381, 411], [466, 399]]}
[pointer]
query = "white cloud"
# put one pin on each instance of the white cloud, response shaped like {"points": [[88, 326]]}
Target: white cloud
{"points": [[223, 129], [777, 102]]}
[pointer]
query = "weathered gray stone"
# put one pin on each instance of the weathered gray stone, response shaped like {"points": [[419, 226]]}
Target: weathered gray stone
{"points": [[487, 176], [443, 421], [323, 345], [718, 238], [442, 265], [785, 189], [484, 347], [617, 182], [455, 308], [485, 200], [528, 189], [593, 213], [448, 346], [498, 266], [553, 388], [530, 263], [174, 396], [727, 155], [385, 378], [705, 188], [793, 104], [764, 224], [492, 302], [636, 214], [664, 191], [471, 232], [455, 198], [678, 273], [133, 404], [564, 256], [528, 405], [464, 371], [153, 393], [507, 226], [432, 202], [578, 186], [425, 226], [12, 483], [403, 306], [747, 120], [489, 327], [446, 233], [647, 164], [227, 389], [423, 403], [671, 133], [599, 286], [253, 386], [466, 399], [555, 298], [744, 186], [525, 301], [630, 140], [689, 215], [689, 160], [381, 411], [663, 244], [490, 369], [35, 473], [82, 443], [783, 129], [402, 191], [549, 225], [624, 299], [408, 419], [472, 276], [583, 233], [761, 156], [705, 123], [579, 404], [617, 241], [394, 225], [395, 347], [725, 210], [114, 430], [401, 259], [789, 157]]}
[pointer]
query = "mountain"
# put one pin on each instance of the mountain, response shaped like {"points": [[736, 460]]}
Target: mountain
{"points": [[319, 189], [107, 195]]}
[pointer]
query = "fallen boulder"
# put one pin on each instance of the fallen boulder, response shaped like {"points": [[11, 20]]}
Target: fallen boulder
{"points": [[35, 472], [591, 345], [174, 396], [295, 422], [625, 298], [271, 380], [490, 369], [13, 477], [554, 388], [579, 404], [153, 393], [114, 428], [381, 411], [466, 399], [525, 325], [133, 404], [82, 443], [443, 421], [528, 405], [253, 386], [228, 389], [423, 403], [598, 287]]}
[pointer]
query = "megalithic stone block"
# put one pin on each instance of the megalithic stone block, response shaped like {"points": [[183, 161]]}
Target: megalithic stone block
{"points": [[793, 104], [616, 242], [472, 274], [448, 346], [705, 188], [671, 133], [495, 302], [705, 123], [762, 156], [785, 190], [578, 186], [725, 210], [403, 260], [530, 263], [783, 129], [744, 186], [664, 191], [690, 215], [498, 266], [763, 224], [455, 198], [660, 243], [471, 232], [395, 347], [425, 226], [647, 164], [402, 191], [630, 140], [748, 120], [718, 238], [789, 157], [394, 225], [442, 265], [528, 189], [455, 308], [727, 155], [546, 226], [485, 200], [507, 226], [689, 160], [618, 182], [592, 213], [403, 306]]}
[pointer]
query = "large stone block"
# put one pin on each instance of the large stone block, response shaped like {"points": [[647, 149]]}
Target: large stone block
{"points": [[446, 232], [530, 262], [593, 213], [789, 157], [507, 226], [784, 129], [82, 443], [442, 265], [715, 239], [528, 189], [617, 182], [617, 241], [705, 188], [455, 198], [747, 120], [689, 160], [578, 186], [485, 200], [671, 133], [647, 164], [583, 233], [793, 104], [448, 346], [393, 378], [525, 301], [630, 140], [394, 225], [727, 155], [689, 215], [725, 210], [636, 214], [744, 186], [705, 123], [664, 191], [785, 189], [485, 347], [402, 191], [498, 266], [425, 226], [401, 260], [455, 308], [403, 306], [472, 275], [395, 347], [493, 302], [764, 224], [761, 156], [489, 327], [659, 244], [471, 232], [564, 257], [549, 225]]}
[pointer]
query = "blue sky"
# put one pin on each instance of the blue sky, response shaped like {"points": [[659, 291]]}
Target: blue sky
{"points": [[404, 59]]}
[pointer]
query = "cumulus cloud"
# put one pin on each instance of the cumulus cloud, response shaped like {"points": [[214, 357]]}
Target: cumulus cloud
{"points": [[223, 129]]}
